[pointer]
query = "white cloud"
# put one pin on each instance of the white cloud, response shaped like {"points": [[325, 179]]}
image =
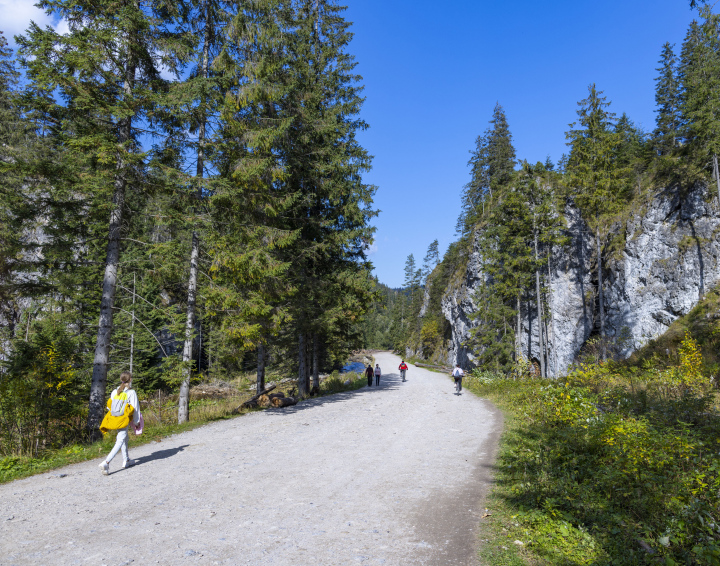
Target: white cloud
{"points": [[62, 27], [16, 15], [371, 249]]}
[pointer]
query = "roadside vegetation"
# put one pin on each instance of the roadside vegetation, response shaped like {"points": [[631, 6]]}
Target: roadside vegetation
{"points": [[618, 464]]}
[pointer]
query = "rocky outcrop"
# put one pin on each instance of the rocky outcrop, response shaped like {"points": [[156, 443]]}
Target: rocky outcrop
{"points": [[669, 259]]}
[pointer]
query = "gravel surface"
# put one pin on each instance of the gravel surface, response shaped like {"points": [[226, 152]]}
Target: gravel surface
{"points": [[390, 475]]}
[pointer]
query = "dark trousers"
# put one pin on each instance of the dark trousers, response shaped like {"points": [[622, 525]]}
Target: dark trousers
{"points": [[377, 380], [369, 380]]}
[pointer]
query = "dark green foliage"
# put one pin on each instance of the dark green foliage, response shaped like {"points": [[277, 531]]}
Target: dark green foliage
{"points": [[113, 176], [42, 394], [492, 163], [699, 74], [666, 136], [381, 325]]}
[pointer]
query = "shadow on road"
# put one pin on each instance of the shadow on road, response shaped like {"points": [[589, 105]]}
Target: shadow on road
{"points": [[160, 455], [388, 382]]}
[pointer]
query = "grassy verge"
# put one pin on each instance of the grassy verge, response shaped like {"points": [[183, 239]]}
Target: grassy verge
{"points": [[207, 405], [615, 465]]}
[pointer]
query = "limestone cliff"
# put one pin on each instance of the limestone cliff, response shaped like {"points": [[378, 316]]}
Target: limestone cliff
{"points": [[668, 259]]}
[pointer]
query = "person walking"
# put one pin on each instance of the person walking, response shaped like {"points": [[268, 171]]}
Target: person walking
{"points": [[369, 374], [458, 374], [378, 373], [403, 368], [123, 410]]}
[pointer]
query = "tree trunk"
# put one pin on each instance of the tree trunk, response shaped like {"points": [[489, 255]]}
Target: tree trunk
{"points": [[101, 359], [538, 299], [302, 362], [260, 368], [717, 175], [308, 363], [315, 365], [184, 400], [600, 292], [552, 317], [518, 331]]}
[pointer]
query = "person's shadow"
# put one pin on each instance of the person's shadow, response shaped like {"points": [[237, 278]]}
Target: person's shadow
{"points": [[159, 455]]}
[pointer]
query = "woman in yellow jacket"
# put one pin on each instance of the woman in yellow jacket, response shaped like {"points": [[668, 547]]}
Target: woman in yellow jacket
{"points": [[123, 408]]}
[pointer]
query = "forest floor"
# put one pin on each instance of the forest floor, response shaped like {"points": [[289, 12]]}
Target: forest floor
{"points": [[391, 475]]}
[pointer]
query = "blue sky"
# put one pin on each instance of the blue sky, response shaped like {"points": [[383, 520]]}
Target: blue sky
{"points": [[433, 72]]}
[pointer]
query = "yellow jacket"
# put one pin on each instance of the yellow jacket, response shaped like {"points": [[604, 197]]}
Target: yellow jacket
{"points": [[120, 413]]}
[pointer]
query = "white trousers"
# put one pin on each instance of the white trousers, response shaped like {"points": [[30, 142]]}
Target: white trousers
{"points": [[120, 444]]}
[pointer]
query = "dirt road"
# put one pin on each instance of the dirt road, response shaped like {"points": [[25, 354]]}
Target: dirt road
{"points": [[389, 475]]}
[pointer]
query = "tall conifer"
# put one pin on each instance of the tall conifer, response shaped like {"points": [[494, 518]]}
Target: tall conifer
{"points": [[593, 171], [666, 136], [106, 71]]}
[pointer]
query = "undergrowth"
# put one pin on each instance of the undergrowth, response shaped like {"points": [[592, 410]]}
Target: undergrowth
{"points": [[615, 465]]}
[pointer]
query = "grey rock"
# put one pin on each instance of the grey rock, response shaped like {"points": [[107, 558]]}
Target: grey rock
{"points": [[669, 260]]}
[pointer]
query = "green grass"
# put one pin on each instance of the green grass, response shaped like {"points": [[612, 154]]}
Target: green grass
{"points": [[603, 470]]}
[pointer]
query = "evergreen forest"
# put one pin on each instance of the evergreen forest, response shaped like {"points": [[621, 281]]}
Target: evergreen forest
{"points": [[182, 197]]}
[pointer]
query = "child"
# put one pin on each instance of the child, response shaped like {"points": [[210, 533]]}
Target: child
{"points": [[124, 409]]}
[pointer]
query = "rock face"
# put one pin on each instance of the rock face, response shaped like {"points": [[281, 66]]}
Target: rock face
{"points": [[669, 259]]}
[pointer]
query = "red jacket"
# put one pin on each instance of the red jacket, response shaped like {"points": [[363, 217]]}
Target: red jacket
{"points": [[402, 367]]}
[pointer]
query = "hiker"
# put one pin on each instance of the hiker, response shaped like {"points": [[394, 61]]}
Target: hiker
{"points": [[369, 374], [377, 374], [123, 411], [403, 368], [458, 374]]}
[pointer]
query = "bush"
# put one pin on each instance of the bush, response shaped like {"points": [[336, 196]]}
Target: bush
{"points": [[615, 465], [42, 398]]}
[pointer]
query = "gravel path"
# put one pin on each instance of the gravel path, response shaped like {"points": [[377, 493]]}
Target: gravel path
{"points": [[388, 475]]}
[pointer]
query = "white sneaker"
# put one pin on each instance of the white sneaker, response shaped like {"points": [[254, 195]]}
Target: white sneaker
{"points": [[104, 468], [128, 464]]}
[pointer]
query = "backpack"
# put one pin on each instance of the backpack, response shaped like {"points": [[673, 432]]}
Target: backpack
{"points": [[119, 415]]}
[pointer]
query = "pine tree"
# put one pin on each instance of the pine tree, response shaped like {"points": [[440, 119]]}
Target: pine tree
{"points": [[431, 260], [666, 136], [106, 70], [700, 77], [593, 171], [324, 164], [492, 164]]}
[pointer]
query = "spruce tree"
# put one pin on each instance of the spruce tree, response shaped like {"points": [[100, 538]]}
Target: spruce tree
{"points": [[666, 136], [14, 137], [492, 164], [700, 76], [594, 173], [249, 276], [324, 164], [203, 92], [106, 72], [431, 260]]}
